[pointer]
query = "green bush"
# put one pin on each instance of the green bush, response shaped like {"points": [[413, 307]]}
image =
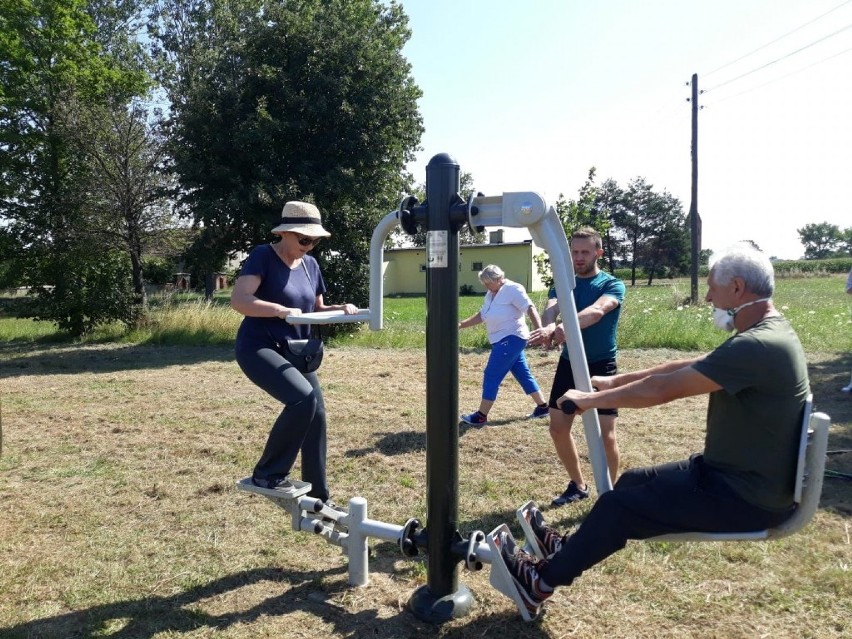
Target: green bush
{"points": [[804, 268], [84, 293], [158, 270]]}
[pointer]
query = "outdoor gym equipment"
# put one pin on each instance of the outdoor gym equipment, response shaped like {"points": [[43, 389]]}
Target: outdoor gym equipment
{"points": [[442, 215]]}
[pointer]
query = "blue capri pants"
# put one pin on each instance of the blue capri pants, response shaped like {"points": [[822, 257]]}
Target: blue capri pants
{"points": [[507, 356]]}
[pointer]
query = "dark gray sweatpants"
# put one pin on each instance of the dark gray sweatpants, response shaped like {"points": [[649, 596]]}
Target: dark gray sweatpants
{"points": [[677, 497], [301, 426]]}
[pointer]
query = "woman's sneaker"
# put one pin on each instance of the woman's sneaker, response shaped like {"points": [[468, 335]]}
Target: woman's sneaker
{"points": [[475, 419], [547, 538], [540, 411], [523, 570], [281, 484]]}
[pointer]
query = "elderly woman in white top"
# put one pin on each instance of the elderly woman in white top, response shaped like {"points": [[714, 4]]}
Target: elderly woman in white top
{"points": [[503, 311]]}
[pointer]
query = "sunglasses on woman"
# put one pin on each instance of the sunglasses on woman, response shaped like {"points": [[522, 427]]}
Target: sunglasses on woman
{"points": [[308, 241]]}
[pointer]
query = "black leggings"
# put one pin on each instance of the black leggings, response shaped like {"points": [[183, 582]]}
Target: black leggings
{"points": [[301, 426], [685, 496]]}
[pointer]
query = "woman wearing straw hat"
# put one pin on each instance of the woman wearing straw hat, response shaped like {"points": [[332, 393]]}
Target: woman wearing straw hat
{"points": [[277, 280]]}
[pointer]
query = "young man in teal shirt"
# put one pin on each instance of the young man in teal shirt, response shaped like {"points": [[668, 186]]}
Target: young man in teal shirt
{"points": [[598, 297]]}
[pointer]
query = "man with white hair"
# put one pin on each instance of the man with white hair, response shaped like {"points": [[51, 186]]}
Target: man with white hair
{"points": [[757, 382]]}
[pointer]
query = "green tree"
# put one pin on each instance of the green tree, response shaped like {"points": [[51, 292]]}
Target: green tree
{"points": [[845, 245], [279, 100], [591, 208], [610, 201], [595, 206], [51, 52], [127, 182], [655, 230], [8, 248], [95, 292], [820, 240], [666, 250]]}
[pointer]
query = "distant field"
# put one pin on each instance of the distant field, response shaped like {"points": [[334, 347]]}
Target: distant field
{"points": [[652, 317], [655, 317]]}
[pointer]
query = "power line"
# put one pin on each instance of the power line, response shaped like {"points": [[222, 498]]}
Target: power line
{"points": [[784, 57], [786, 75], [760, 48]]}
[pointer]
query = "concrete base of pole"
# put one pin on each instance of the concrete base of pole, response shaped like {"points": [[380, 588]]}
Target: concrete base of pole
{"points": [[427, 607]]}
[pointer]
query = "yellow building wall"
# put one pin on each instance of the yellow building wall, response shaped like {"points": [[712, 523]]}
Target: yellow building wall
{"points": [[405, 269]]}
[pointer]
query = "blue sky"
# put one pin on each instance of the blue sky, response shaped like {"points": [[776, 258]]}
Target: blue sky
{"points": [[528, 95]]}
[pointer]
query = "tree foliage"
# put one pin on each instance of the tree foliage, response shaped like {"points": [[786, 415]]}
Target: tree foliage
{"points": [[274, 101], [824, 240], [51, 52], [665, 250], [95, 292], [126, 183], [639, 227]]}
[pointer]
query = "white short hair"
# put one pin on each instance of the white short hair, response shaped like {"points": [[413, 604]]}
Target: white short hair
{"points": [[745, 261], [491, 273]]}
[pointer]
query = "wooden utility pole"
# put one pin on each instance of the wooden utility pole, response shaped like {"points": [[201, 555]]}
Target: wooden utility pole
{"points": [[694, 218]]}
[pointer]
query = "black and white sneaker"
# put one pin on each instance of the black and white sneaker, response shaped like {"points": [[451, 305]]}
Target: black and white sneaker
{"points": [[547, 538], [524, 574], [281, 484]]}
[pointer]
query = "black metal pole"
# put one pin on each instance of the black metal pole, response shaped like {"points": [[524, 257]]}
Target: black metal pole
{"points": [[694, 219], [442, 598]]}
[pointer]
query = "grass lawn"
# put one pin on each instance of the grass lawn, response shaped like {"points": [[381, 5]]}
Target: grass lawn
{"points": [[121, 519]]}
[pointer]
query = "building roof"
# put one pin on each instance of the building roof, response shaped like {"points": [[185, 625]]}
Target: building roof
{"points": [[463, 246]]}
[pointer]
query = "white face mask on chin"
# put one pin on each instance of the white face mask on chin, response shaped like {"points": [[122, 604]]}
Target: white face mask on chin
{"points": [[724, 318]]}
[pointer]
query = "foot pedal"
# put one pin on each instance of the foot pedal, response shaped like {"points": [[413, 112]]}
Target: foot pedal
{"points": [[500, 576], [299, 488], [523, 514]]}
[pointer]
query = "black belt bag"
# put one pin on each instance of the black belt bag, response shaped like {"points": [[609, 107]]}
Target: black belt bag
{"points": [[304, 354]]}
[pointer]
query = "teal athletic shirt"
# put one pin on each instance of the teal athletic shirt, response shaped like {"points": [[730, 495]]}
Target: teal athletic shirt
{"points": [[598, 339]]}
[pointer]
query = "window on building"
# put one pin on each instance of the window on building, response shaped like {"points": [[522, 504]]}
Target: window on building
{"points": [[476, 266]]}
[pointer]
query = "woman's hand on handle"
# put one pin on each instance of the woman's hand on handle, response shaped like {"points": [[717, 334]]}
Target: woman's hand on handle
{"points": [[284, 312]]}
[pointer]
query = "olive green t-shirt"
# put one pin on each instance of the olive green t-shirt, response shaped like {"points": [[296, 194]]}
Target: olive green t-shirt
{"points": [[754, 421]]}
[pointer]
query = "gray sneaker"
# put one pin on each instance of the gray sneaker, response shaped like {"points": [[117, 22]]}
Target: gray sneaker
{"points": [[282, 484], [573, 493]]}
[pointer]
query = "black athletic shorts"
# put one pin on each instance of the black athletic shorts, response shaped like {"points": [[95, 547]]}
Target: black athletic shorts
{"points": [[563, 381]]}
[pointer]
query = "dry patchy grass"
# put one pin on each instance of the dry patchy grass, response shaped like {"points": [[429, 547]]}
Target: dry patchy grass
{"points": [[120, 517]]}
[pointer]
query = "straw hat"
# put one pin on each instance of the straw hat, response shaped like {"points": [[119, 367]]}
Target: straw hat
{"points": [[301, 217]]}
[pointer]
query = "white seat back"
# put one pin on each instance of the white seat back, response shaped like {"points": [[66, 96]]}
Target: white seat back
{"points": [[803, 449]]}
